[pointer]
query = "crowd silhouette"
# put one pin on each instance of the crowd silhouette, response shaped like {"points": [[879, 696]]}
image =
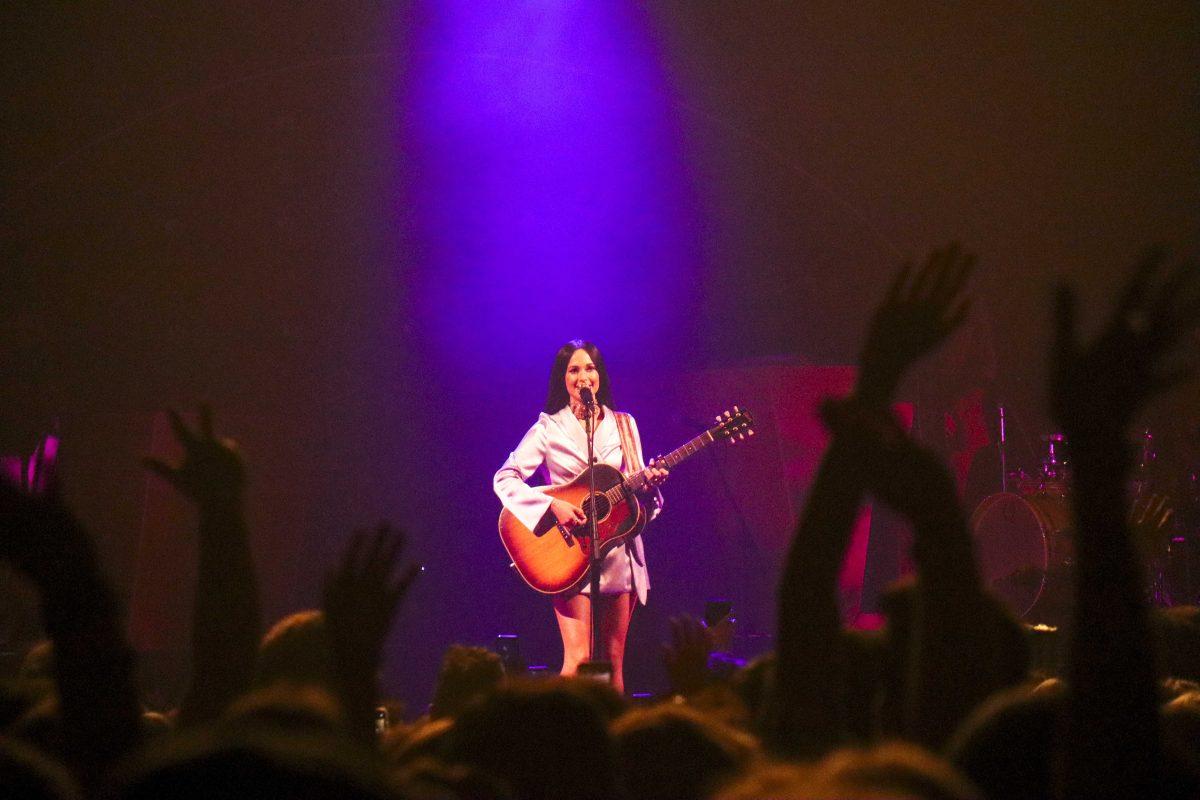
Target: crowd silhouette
{"points": [[943, 702]]}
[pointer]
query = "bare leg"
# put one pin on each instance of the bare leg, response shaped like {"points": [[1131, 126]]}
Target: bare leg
{"points": [[575, 624], [574, 616], [616, 611]]}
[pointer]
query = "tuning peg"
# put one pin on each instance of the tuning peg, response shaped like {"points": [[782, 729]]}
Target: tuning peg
{"points": [[737, 410], [750, 432], [718, 417]]}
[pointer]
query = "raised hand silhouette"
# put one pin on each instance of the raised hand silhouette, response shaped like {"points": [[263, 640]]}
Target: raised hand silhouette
{"points": [[920, 310], [361, 599], [212, 473], [364, 592], [42, 539], [1111, 744], [225, 622], [686, 655], [808, 715], [93, 663], [1099, 386], [892, 466]]}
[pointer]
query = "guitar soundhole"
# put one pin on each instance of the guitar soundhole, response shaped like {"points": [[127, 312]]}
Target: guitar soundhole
{"points": [[599, 505]]}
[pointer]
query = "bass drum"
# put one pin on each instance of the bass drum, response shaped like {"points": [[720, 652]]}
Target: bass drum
{"points": [[1019, 540]]}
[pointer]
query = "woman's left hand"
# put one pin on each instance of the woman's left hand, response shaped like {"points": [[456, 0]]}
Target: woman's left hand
{"points": [[655, 476]]}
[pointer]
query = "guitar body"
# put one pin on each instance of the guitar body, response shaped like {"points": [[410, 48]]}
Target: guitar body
{"points": [[552, 562]]}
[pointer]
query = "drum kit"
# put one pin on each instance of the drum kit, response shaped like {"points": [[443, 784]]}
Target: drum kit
{"points": [[1025, 543]]}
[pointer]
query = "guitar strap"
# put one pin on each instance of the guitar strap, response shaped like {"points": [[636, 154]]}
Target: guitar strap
{"points": [[629, 449], [633, 463]]}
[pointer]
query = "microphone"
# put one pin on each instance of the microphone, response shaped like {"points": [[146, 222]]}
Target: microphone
{"points": [[585, 394]]}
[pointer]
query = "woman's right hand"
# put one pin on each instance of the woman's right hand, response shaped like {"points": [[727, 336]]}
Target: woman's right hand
{"points": [[568, 515]]}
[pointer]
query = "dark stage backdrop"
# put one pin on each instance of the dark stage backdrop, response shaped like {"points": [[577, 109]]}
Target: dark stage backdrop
{"points": [[361, 232]]}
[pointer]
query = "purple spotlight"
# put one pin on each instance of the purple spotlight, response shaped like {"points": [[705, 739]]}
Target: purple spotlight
{"points": [[551, 198]]}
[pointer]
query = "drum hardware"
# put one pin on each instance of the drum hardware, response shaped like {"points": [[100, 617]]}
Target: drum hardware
{"points": [[1147, 455], [1003, 445], [1056, 465], [1053, 474], [1171, 572], [1024, 536], [1020, 541]]}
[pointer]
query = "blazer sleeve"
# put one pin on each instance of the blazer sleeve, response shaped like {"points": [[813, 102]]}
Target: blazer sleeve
{"points": [[527, 504], [655, 501]]}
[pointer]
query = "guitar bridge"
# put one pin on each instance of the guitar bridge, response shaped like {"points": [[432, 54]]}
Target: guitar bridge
{"points": [[566, 534]]}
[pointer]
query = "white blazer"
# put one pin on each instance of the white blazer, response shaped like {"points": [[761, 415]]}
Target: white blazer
{"points": [[556, 446]]}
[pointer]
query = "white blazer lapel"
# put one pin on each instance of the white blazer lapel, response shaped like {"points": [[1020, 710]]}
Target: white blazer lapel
{"points": [[572, 432]]}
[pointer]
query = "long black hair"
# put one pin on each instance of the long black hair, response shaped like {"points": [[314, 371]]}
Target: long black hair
{"points": [[556, 394]]}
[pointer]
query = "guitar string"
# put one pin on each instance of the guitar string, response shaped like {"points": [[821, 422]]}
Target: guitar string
{"points": [[673, 458]]}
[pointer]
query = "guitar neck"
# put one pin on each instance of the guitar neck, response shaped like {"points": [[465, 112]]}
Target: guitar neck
{"points": [[731, 427], [637, 482]]}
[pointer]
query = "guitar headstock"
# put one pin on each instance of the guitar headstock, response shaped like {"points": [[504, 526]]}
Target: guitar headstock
{"points": [[735, 425]]}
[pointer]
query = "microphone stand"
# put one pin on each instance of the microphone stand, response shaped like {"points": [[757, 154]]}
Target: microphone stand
{"points": [[1003, 451], [597, 646]]}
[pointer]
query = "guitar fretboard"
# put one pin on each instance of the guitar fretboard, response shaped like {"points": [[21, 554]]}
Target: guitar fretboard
{"points": [[637, 481]]}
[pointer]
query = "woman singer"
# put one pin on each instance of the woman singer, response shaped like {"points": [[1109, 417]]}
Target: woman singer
{"points": [[556, 445]]}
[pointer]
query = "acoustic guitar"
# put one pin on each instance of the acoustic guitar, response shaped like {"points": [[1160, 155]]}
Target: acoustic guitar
{"points": [[553, 559]]}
